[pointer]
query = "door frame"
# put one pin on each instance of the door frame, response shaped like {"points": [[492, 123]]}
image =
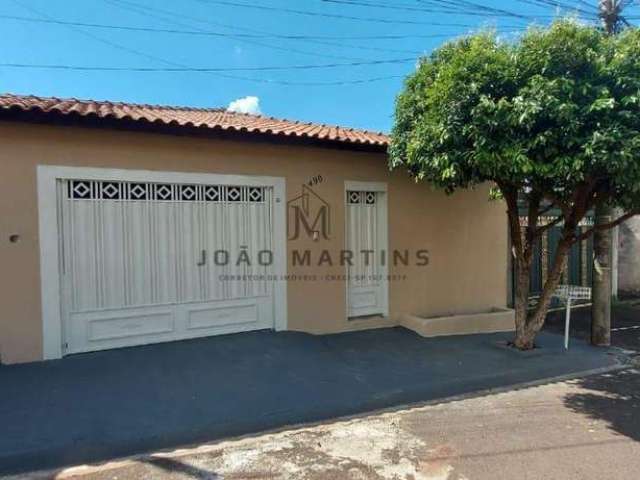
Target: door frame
{"points": [[49, 235], [383, 231]]}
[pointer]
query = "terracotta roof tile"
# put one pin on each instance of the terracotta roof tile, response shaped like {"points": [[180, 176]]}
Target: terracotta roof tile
{"points": [[213, 118]]}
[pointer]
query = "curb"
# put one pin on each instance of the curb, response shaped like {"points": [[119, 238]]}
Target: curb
{"points": [[476, 394]]}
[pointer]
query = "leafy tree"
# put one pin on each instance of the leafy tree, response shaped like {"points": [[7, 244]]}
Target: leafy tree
{"points": [[551, 120]]}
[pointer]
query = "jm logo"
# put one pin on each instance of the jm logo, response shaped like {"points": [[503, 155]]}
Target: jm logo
{"points": [[308, 213]]}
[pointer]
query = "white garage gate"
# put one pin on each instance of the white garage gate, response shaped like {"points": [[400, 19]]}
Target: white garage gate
{"points": [[149, 257]]}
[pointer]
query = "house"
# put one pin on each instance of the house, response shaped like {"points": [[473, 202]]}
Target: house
{"points": [[125, 224]]}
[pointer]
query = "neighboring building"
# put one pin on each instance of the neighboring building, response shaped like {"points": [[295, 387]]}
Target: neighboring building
{"points": [[628, 257], [128, 224]]}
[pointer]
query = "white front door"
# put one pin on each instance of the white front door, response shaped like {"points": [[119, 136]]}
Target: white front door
{"points": [[366, 242], [148, 262]]}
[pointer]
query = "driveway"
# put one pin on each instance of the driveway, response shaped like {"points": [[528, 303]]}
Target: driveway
{"points": [[92, 407]]}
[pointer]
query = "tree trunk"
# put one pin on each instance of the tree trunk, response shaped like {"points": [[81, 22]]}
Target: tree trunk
{"points": [[601, 308], [525, 337], [521, 303]]}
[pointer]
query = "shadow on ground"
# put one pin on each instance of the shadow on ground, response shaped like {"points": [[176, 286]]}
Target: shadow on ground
{"points": [[175, 466], [613, 398]]}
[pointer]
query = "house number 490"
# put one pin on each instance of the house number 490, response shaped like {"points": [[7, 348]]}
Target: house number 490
{"points": [[316, 180]]}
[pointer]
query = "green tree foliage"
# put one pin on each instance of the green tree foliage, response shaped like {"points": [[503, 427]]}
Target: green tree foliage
{"points": [[552, 119]]}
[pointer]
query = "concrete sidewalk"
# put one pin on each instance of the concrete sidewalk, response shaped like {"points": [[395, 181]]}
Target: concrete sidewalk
{"points": [[93, 407]]}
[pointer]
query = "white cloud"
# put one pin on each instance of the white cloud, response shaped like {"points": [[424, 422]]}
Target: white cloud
{"points": [[248, 104]]}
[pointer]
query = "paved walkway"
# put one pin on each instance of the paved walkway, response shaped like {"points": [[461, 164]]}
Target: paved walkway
{"points": [[586, 429], [92, 407]]}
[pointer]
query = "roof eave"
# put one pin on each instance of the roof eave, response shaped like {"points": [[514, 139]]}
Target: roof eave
{"points": [[55, 117]]}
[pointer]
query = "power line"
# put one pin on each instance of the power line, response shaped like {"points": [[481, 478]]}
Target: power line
{"points": [[96, 68], [471, 8], [331, 15], [336, 82], [423, 10], [359, 47], [118, 45], [467, 7], [219, 34], [178, 66], [169, 17], [104, 41], [587, 4], [557, 4], [143, 10], [463, 6]]}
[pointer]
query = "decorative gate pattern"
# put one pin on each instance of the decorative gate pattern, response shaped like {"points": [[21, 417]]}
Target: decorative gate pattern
{"points": [[107, 190]]}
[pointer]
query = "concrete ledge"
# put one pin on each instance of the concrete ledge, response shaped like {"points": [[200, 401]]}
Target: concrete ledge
{"points": [[497, 320]]}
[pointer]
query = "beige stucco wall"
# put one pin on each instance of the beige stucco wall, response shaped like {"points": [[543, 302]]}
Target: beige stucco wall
{"points": [[465, 233]]}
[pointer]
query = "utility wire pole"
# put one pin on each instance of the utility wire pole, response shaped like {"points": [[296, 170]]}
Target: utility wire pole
{"points": [[601, 291], [610, 12]]}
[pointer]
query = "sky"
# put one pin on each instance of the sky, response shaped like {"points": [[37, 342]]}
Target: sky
{"points": [[296, 59]]}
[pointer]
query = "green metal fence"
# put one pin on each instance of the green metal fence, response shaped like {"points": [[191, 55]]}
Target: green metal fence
{"points": [[578, 269]]}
